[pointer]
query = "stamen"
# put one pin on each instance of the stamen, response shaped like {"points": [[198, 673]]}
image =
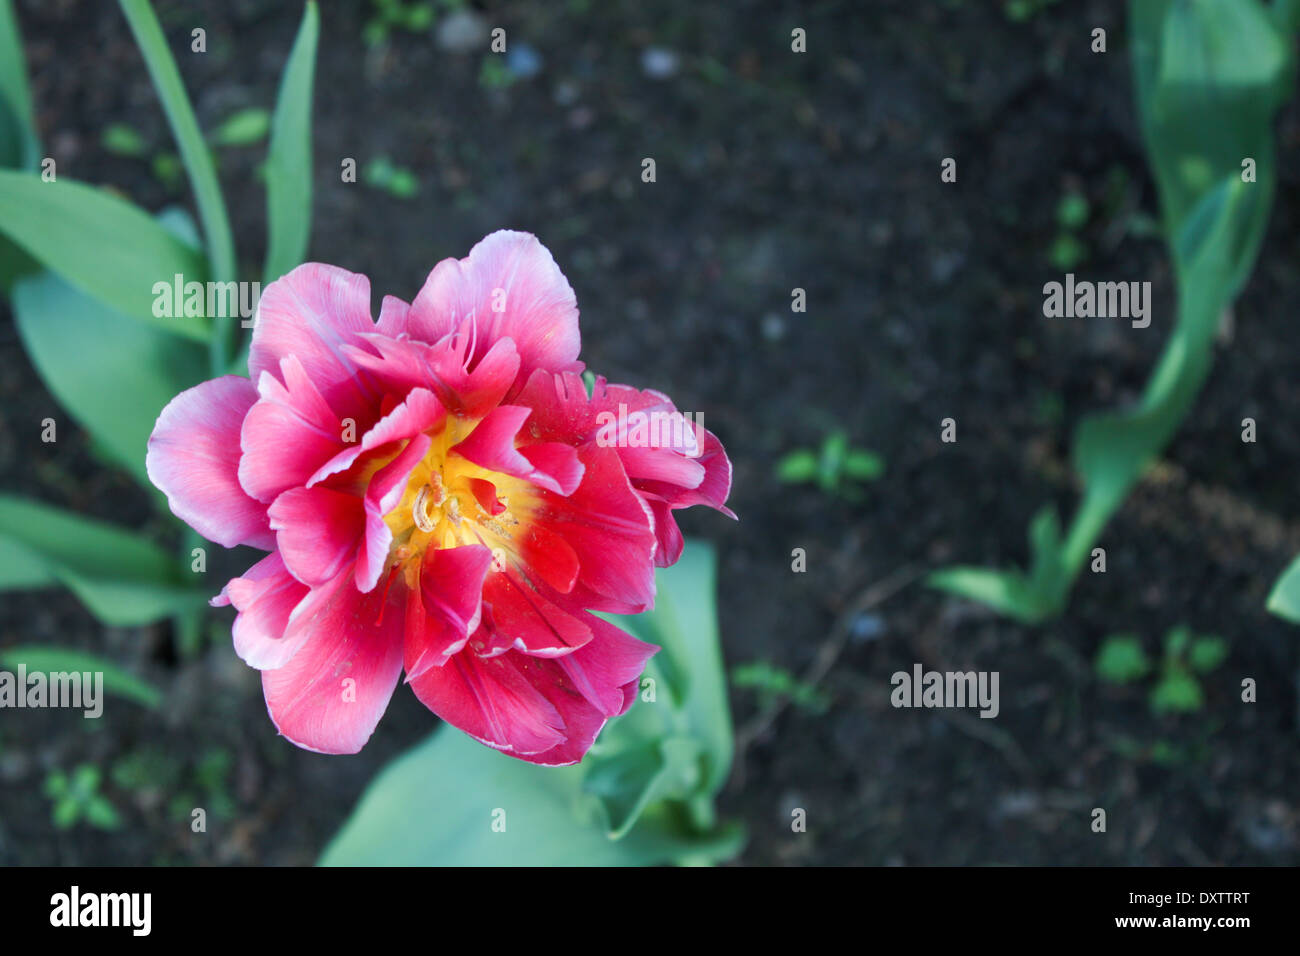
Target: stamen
{"points": [[419, 510]]}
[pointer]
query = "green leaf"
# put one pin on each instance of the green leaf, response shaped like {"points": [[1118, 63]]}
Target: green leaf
{"points": [[1005, 591], [398, 181], [289, 166], [116, 680], [12, 137], [436, 806], [1209, 78], [113, 375], [1207, 653], [771, 682], [1067, 252], [1177, 641], [797, 467], [1177, 693], [21, 568], [85, 780], [106, 247], [102, 814], [1030, 598], [123, 140], [684, 623], [1284, 599], [832, 458], [863, 465], [243, 128], [123, 579], [167, 169], [189, 139], [630, 779], [66, 813], [1072, 211], [1121, 659], [14, 90]]}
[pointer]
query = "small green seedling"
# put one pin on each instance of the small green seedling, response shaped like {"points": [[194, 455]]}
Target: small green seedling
{"points": [[1020, 11], [393, 15], [123, 140], [76, 798], [398, 181], [836, 469], [494, 74], [1068, 250], [244, 127], [1121, 660], [772, 682]]}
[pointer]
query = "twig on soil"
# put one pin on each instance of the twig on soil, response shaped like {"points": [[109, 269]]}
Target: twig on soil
{"points": [[995, 737], [827, 654]]}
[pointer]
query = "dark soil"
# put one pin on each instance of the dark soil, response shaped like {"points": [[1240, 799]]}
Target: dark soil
{"points": [[774, 171]]}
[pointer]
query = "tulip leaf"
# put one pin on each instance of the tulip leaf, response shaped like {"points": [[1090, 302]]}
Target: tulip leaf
{"points": [[1284, 599], [684, 623], [21, 568], [15, 93], [123, 579], [1210, 77], [54, 659], [106, 247], [453, 802], [189, 139], [113, 375], [288, 168]]}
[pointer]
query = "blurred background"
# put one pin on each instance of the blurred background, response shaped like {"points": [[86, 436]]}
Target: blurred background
{"points": [[775, 171]]}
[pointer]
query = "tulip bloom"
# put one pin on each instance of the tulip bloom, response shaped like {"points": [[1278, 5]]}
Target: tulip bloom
{"points": [[440, 496]]}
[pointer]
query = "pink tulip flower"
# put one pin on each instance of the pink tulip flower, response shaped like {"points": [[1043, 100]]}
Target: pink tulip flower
{"points": [[440, 496]]}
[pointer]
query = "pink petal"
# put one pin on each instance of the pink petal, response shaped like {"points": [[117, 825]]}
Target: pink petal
{"points": [[265, 596], [670, 542], [713, 488], [450, 605], [601, 670], [403, 363], [318, 531], [330, 696], [492, 701], [193, 458], [610, 529], [312, 313], [539, 311], [523, 619], [561, 409], [594, 683], [420, 412], [549, 556], [288, 434], [392, 316], [491, 445], [485, 493]]}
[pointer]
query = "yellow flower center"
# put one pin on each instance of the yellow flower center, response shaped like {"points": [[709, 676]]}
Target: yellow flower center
{"points": [[439, 508]]}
